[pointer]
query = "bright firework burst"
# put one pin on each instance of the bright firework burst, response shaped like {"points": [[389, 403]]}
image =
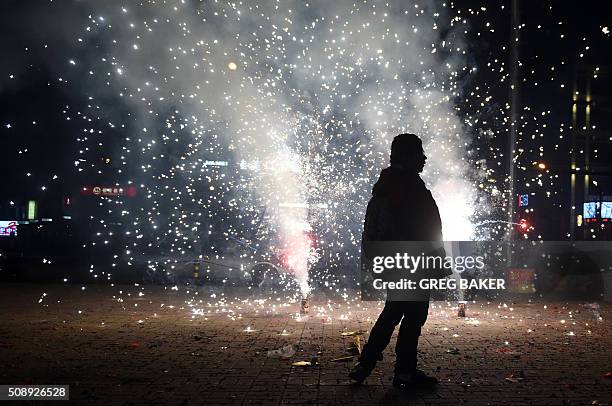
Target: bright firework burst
{"points": [[254, 132]]}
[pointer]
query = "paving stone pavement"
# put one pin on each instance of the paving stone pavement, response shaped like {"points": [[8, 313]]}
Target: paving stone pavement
{"points": [[153, 345]]}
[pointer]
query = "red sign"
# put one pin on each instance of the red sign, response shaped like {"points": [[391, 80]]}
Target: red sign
{"points": [[109, 191]]}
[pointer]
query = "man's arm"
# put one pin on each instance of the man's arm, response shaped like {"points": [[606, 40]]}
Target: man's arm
{"points": [[370, 226], [377, 225]]}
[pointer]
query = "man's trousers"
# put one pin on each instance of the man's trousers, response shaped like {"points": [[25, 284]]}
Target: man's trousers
{"points": [[412, 316]]}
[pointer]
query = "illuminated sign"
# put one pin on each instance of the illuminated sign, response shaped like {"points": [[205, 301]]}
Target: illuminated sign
{"points": [[590, 210], [109, 191], [520, 280], [523, 200], [216, 163], [595, 211], [32, 210], [606, 210], [8, 228]]}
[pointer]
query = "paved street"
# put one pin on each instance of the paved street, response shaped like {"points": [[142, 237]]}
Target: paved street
{"points": [[154, 345]]}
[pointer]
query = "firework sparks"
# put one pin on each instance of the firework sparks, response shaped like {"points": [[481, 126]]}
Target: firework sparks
{"points": [[253, 132]]}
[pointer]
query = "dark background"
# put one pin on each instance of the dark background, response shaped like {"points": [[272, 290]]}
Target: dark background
{"points": [[36, 41]]}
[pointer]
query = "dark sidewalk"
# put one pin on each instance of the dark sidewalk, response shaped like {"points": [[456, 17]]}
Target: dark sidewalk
{"points": [[174, 347]]}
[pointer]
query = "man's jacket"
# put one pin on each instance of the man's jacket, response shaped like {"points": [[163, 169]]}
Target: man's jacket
{"points": [[401, 209]]}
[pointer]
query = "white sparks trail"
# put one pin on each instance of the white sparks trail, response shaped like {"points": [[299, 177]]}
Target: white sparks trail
{"points": [[254, 132], [305, 96]]}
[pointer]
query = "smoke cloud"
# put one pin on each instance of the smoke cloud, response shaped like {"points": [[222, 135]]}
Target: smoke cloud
{"points": [[301, 98]]}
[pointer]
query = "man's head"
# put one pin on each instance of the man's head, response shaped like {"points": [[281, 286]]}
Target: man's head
{"points": [[407, 152]]}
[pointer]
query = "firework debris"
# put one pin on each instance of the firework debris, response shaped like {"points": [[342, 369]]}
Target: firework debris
{"points": [[594, 308], [313, 362], [352, 333], [515, 378], [344, 359], [287, 351]]}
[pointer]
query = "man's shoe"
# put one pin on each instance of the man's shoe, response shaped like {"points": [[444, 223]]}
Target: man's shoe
{"points": [[417, 378], [360, 373]]}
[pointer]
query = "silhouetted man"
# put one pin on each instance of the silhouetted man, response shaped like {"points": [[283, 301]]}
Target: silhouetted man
{"points": [[401, 209]]}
